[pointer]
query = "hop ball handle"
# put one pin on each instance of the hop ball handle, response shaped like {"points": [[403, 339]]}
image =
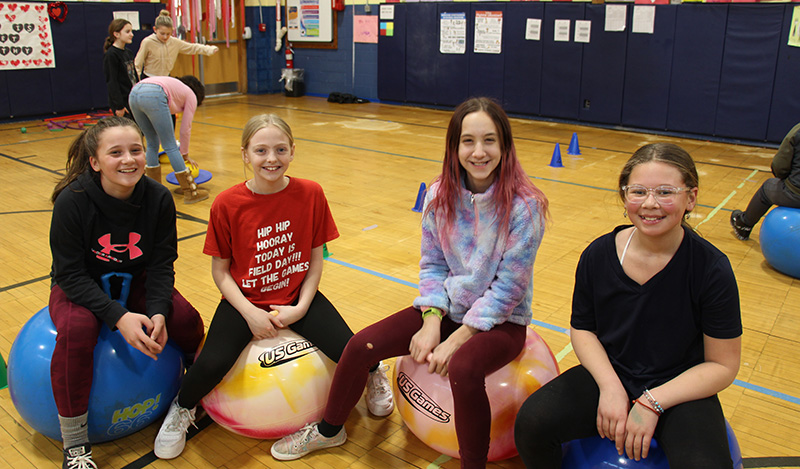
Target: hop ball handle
{"points": [[105, 279]]}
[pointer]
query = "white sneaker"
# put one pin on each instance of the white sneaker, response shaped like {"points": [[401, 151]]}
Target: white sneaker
{"points": [[380, 400], [304, 441], [171, 438]]}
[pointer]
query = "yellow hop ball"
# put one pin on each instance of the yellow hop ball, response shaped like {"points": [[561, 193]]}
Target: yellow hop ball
{"points": [[195, 170]]}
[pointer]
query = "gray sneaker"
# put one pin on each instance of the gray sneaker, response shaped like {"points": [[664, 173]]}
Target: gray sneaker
{"points": [[304, 441], [380, 400]]}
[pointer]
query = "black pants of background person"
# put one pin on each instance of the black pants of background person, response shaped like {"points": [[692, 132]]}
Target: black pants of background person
{"points": [[692, 434]]}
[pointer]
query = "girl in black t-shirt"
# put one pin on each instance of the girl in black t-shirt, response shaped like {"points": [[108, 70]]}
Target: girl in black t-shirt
{"points": [[656, 326]]}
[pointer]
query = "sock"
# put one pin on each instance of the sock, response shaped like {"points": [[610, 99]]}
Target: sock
{"points": [[74, 430], [327, 430]]}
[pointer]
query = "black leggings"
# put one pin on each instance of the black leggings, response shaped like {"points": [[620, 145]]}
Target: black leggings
{"points": [[229, 334], [691, 434]]}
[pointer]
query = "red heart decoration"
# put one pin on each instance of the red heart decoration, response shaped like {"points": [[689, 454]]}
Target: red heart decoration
{"points": [[43, 35], [26, 62], [12, 6], [37, 61], [57, 11], [1, 6], [24, 8], [4, 62], [43, 19], [45, 44], [46, 51], [47, 61], [11, 18], [38, 7], [15, 63]]}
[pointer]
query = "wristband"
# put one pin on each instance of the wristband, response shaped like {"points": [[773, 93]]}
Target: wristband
{"points": [[432, 312], [653, 402], [637, 401]]}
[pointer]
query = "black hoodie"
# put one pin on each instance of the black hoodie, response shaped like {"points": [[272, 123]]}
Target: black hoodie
{"points": [[92, 233]]}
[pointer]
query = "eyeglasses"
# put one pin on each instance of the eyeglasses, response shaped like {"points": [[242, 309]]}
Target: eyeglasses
{"points": [[664, 195]]}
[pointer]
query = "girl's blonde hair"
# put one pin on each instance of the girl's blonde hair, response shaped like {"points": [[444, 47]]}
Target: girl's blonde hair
{"points": [[261, 121], [164, 19]]}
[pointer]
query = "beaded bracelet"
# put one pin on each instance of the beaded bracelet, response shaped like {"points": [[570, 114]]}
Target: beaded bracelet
{"points": [[637, 401], [653, 402]]}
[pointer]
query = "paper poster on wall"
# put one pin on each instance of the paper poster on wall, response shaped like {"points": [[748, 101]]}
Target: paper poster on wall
{"points": [[616, 16], [644, 18], [583, 30], [131, 16], [26, 41], [533, 29], [309, 20], [561, 31], [453, 33], [488, 32], [794, 31], [365, 29], [387, 12]]}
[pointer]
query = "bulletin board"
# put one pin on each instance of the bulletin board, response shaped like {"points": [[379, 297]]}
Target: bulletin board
{"points": [[310, 21]]}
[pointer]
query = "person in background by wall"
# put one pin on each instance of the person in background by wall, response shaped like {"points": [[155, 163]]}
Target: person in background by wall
{"points": [[152, 101], [783, 189], [118, 66], [159, 51]]}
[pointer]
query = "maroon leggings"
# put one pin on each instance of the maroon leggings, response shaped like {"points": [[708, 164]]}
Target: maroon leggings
{"points": [[77, 331], [484, 353]]}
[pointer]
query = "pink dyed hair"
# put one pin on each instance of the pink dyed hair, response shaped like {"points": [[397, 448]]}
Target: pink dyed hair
{"points": [[511, 179]]}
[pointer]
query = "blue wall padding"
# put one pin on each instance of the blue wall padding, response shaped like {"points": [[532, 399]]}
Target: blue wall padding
{"points": [[522, 77], [484, 79], [785, 99], [69, 80], [5, 109], [647, 72], [452, 75], [422, 53], [392, 59], [77, 83], [561, 64], [29, 92], [748, 70], [603, 70], [699, 45]]}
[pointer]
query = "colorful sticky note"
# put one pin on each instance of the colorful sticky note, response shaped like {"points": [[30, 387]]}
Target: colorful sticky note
{"points": [[387, 28]]}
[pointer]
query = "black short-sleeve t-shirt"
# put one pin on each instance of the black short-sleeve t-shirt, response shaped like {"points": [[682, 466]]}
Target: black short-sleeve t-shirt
{"points": [[654, 332]]}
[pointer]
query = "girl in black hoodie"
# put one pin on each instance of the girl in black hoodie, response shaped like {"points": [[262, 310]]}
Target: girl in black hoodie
{"points": [[109, 218]]}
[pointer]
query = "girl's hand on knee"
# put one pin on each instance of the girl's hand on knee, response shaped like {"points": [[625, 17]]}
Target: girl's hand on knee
{"points": [[641, 425], [286, 315], [132, 326], [262, 323], [424, 341], [159, 331], [612, 413]]}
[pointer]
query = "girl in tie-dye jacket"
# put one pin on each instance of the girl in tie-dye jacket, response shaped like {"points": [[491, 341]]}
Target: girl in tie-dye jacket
{"points": [[482, 224]]}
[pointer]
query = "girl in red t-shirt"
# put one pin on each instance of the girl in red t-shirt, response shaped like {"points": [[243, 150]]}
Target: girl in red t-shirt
{"points": [[266, 237]]}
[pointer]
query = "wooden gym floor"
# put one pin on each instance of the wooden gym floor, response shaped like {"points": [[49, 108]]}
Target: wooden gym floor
{"points": [[371, 159]]}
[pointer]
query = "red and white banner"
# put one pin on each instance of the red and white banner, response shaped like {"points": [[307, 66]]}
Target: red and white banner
{"points": [[25, 38]]}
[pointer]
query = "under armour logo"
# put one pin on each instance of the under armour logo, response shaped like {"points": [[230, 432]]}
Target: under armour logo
{"points": [[108, 248]]}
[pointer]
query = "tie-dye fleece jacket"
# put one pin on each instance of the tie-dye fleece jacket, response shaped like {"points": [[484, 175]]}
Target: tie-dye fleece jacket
{"points": [[481, 276]]}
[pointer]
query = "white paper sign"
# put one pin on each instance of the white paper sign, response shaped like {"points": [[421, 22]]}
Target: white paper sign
{"points": [[644, 18], [616, 17], [583, 29], [488, 32], [132, 16], [561, 33], [387, 12], [453, 33], [533, 29]]}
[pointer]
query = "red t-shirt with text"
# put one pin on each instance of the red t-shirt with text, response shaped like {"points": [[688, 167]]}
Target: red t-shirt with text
{"points": [[269, 238]]}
